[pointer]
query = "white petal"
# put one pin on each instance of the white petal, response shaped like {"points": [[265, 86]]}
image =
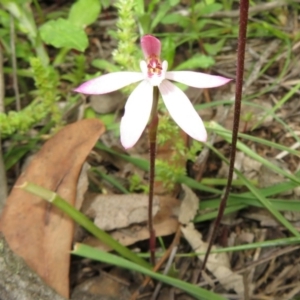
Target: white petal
{"points": [[137, 112], [197, 79], [164, 67], [109, 82], [144, 68], [182, 111]]}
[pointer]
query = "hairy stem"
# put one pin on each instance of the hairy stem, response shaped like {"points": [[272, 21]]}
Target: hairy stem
{"points": [[152, 146], [244, 8]]}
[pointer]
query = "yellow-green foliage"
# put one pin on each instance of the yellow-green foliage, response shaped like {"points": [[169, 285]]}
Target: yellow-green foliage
{"points": [[43, 105], [126, 53]]}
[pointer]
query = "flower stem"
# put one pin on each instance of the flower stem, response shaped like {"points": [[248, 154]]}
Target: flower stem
{"points": [[152, 148], [244, 8]]}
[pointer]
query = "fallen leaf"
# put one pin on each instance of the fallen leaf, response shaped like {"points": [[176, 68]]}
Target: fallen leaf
{"points": [[82, 185], [218, 263], [104, 286], [165, 223], [118, 211], [189, 206], [261, 215], [35, 230]]}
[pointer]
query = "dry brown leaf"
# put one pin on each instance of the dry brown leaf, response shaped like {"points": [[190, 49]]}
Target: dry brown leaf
{"points": [[218, 263], [165, 223], [118, 211], [104, 286], [135, 233], [82, 185], [38, 232], [261, 215]]}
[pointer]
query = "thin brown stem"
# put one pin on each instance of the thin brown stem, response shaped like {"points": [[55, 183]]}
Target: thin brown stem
{"points": [[152, 148], [244, 8]]}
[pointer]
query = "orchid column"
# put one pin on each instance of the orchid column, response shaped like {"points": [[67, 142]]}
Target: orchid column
{"points": [[142, 103]]}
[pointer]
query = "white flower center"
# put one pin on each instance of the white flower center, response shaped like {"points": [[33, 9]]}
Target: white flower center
{"points": [[153, 70]]}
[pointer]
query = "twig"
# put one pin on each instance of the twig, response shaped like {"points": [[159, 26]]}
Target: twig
{"points": [[282, 154], [263, 57], [175, 242], [266, 258], [166, 270], [235, 13], [253, 10]]}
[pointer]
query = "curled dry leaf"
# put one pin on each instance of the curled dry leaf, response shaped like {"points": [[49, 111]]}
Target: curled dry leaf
{"points": [[261, 215], [165, 223], [218, 263], [35, 230]]}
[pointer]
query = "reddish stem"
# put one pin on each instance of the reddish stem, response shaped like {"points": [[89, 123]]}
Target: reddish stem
{"points": [[244, 8], [152, 148]]}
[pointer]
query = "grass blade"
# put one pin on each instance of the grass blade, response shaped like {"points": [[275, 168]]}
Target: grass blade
{"points": [[193, 290], [83, 221]]}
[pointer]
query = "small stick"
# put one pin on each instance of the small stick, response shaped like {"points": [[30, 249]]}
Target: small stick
{"points": [[165, 272], [175, 242], [253, 10]]}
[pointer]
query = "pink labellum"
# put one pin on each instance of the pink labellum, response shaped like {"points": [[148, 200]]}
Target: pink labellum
{"points": [[151, 46]]}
